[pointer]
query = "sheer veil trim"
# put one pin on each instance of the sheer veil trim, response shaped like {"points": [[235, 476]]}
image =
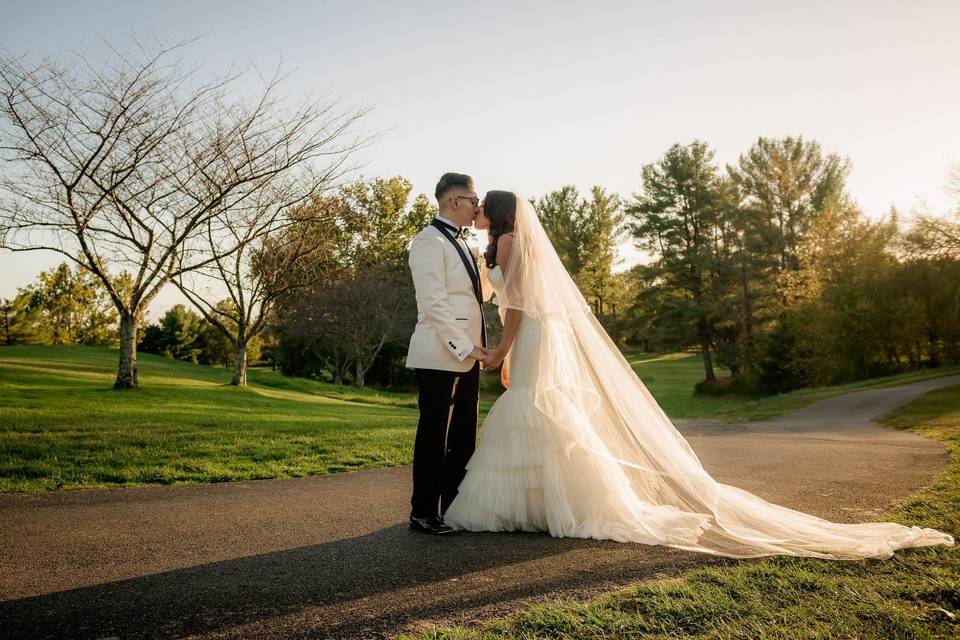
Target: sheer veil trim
{"points": [[595, 401]]}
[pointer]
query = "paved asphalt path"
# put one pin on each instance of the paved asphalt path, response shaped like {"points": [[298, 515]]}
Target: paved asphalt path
{"points": [[332, 556]]}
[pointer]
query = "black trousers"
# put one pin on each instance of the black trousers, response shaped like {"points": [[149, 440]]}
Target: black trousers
{"points": [[446, 437]]}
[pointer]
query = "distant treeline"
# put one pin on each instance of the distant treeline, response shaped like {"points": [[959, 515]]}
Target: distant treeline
{"points": [[766, 267], [142, 175]]}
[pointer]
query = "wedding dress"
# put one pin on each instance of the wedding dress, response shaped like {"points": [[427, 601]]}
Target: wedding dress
{"points": [[578, 447]]}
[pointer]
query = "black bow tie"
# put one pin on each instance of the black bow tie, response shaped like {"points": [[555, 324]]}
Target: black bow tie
{"points": [[458, 232]]}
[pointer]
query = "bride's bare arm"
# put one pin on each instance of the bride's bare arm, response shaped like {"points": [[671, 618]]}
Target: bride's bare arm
{"points": [[511, 320]]}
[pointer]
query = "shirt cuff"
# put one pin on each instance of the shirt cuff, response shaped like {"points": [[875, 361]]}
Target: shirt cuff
{"points": [[467, 351]]}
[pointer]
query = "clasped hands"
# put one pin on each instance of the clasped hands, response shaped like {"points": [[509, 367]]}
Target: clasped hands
{"points": [[491, 358]]}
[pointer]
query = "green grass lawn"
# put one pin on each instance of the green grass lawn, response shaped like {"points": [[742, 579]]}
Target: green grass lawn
{"points": [[62, 426], [914, 594]]}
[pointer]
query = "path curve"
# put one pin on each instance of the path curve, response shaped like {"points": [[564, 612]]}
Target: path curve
{"points": [[332, 556]]}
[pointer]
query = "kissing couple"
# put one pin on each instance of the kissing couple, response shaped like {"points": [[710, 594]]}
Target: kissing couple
{"points": [[576, 446]]}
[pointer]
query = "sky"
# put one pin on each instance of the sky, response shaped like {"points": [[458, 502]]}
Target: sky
{"points": [[531, 96]]}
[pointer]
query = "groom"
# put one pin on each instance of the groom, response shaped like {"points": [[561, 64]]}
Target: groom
{"points": [[445, 350]]}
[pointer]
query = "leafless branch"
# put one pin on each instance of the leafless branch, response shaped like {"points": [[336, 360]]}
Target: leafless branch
{"points": [[135, 165]]}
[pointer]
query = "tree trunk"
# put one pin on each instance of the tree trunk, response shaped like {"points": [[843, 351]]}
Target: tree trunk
{"points": [[746, 307], [343, 368], [7, 329], [359, 371], [240, 366], [359, 375], [705, 349], [127, 371]]}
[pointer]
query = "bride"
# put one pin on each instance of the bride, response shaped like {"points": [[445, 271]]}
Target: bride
{"points": [[577, 446]]}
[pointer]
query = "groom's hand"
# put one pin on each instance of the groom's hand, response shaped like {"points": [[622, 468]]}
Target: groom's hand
{"points": [[478, 353]]}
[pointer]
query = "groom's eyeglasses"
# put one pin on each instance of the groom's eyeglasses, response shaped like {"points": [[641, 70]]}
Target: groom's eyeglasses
{"points": [[473, 200]]}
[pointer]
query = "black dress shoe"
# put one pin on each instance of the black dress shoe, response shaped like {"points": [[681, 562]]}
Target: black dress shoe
{"points": [[431, 524]]}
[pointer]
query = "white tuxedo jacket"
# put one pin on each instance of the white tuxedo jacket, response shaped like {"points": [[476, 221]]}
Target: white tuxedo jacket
{"points": [[449, 318]]}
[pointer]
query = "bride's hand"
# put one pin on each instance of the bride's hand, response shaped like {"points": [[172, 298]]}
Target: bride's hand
{"points": [[494, 359], [505, 375]]}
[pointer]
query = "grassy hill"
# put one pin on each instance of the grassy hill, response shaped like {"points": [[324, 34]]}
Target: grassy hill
{"points": [[62, 426]]}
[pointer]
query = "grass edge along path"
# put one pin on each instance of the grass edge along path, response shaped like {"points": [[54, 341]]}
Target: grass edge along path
{"points": [[914, 594]]}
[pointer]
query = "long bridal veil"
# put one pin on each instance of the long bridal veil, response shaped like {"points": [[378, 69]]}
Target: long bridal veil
{"points": [[597, 402]]}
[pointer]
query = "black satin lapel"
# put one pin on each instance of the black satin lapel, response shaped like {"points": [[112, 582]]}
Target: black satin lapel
{"points": [[463, 256]]}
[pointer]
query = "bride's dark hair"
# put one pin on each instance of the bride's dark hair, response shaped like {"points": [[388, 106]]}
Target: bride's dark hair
{"points": [[500, 207]]}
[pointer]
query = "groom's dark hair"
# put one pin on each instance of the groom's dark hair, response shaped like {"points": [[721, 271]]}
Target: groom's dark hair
{"points": [[450, 180]]}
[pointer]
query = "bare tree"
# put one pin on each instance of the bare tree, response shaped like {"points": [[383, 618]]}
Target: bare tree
{"points": [[934, 236], [269, 248], [128, 162]]}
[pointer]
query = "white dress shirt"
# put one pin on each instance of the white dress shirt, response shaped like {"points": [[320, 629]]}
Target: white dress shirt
{"points": [[463, 243]]}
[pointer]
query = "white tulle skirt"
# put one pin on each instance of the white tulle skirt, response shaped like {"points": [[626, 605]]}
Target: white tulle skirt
{"points": [[523, 476], [537, 472], [519, 479]]}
